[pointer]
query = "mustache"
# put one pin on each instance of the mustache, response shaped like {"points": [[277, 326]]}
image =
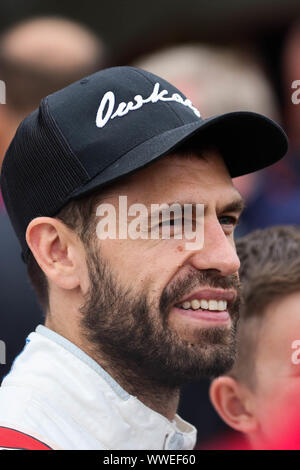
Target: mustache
{"points": [[209, 278]]}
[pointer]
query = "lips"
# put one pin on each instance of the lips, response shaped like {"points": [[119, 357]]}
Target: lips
{"points": [[210, 294]]}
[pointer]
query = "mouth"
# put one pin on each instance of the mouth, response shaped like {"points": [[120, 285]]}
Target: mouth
{"points": [[210, 305]]}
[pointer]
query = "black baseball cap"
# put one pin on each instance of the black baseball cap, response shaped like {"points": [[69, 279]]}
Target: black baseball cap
{"points": [[111, 124]]}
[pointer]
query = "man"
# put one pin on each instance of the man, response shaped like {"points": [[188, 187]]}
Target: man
{"points": [[196, 69], [260, 395], [129, 319], [37, 57]]}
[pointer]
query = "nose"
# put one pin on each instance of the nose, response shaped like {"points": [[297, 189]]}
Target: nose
{"points": [[218, 252]]}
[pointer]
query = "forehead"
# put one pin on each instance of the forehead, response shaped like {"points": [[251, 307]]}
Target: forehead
{"points": [[180, 176]]}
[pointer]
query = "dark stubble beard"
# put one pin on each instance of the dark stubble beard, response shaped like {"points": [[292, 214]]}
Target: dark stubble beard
{"points": [[130, 332]]}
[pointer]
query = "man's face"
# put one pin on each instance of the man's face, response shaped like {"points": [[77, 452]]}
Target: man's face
{"points": [[134, 312], [277, 373]]}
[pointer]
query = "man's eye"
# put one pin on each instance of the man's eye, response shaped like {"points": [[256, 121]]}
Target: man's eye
{"points": [[228, 220], [171, 222]]}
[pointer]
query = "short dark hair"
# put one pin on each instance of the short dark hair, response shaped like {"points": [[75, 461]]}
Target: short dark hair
{"points": [[78, 215], [270, 269]]}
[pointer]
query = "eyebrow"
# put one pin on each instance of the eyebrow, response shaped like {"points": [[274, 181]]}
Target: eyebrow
{"points": [[237, 205]]}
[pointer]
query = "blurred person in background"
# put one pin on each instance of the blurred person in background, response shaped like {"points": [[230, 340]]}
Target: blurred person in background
{"points": [[291, 73], [218, 80], [37, 57], [259, 396], [278, 199]]}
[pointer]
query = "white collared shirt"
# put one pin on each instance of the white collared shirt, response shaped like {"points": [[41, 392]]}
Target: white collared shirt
{"points": [[60, 395]]}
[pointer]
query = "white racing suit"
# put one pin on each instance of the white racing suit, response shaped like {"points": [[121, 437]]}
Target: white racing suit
{"points": [[58, 397]]}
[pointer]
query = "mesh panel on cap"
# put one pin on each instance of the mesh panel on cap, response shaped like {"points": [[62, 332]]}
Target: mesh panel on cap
{"points": [[39, 160]]}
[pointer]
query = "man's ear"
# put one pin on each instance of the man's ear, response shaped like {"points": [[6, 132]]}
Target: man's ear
{"points": [[232, 401], [56, 249]]}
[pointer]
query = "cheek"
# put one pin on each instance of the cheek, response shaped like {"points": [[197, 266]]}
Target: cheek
{"points": [[153, 262], [288, 399], [277, 408]]}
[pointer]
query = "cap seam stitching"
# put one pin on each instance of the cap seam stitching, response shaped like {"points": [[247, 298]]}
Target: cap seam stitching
{"points": [[64, 138]]}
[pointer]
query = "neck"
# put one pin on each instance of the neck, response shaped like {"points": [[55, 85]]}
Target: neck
{"points": [[160, 398]]}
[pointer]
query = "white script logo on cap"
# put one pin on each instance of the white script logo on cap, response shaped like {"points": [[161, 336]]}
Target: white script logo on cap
{"points": [[108, 101]]}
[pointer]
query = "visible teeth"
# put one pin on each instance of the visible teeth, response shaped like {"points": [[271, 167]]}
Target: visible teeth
{"points": [[195, 304], [186, 305], [222, 305], [213, 305]]}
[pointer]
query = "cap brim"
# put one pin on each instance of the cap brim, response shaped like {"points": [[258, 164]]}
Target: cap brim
{"points": [[247, 141]]}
